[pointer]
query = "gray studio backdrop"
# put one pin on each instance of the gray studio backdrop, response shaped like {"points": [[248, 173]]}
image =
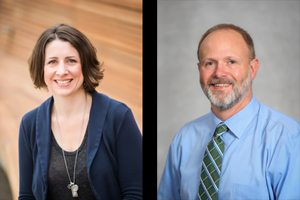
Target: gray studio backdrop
{"points": [[274, 27]]}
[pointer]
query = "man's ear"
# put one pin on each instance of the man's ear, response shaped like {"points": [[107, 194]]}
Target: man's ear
{"points": [[254, 65]]}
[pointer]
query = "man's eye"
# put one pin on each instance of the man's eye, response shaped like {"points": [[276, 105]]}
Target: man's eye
{"points": [[209, 63], [232, 62]]}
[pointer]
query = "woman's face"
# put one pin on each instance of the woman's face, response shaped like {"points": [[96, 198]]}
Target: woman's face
{"points": [[62, 68]]}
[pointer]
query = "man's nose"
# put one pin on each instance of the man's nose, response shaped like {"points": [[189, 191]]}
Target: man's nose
{"points": [[220, 70]]}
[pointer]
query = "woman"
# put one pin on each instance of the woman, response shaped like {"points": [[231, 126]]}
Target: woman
{"points": [[78, 143]]}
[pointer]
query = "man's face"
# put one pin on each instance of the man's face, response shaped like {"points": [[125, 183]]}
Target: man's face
{"points": [[225, 74]]}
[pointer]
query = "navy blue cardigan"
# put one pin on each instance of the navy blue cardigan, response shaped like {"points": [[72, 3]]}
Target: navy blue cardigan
{"points": [[114, 152]]}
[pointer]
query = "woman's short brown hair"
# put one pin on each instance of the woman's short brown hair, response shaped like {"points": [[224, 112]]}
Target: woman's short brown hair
{"points": [[241, 31], [91, 67]]}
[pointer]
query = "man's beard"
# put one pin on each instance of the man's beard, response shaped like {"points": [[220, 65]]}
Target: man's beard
{"points": [[238, 92]]}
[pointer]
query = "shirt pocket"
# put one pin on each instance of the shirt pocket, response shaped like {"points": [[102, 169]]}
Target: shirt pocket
{"points": [[250, 192]]}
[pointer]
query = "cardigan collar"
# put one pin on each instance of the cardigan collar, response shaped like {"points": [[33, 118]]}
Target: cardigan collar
{"points": [[98, 112]]}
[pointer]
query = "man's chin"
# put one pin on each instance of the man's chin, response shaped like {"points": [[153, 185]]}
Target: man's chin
{"points": [[222, 101], [219, 96], [222, 107]]}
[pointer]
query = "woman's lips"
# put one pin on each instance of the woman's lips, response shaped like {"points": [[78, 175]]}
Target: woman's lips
{"points": [[64, 82]]}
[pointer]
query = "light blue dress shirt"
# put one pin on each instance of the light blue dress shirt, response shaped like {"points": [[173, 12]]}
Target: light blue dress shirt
{"points": [[261, 156]]}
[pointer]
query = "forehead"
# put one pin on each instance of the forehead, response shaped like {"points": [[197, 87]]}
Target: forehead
{"points": [[224, 42], [60, 47]]}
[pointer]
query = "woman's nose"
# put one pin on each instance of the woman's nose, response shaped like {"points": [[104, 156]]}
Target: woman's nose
{"points": [[62, 69]]}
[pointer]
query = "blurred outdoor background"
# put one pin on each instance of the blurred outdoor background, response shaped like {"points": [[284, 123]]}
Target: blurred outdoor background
{"points": [[114, 28]]}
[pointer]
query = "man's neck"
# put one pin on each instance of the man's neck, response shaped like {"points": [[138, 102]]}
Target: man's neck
{"points": [[226, 114]]}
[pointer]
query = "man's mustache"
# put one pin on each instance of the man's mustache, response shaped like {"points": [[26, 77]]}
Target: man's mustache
{"points": [[220, 81]]}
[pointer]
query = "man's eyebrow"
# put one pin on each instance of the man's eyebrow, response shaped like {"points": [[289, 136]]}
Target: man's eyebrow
{"points": [[226, 57], [211, 59], [233, 57]]}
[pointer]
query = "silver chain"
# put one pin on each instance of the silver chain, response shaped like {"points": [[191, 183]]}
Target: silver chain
{"points": [[78, 142]]}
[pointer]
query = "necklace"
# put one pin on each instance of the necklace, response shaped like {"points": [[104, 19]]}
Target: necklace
{"points": [[72, 186]]}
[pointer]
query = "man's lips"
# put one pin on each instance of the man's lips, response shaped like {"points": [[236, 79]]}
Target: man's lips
{"points": [[220, 85]]}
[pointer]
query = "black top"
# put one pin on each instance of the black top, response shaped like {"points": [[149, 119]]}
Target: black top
{"points": [[58, 177]]}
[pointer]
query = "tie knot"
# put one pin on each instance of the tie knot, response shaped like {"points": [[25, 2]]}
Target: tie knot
{"points": [[221, 128]]}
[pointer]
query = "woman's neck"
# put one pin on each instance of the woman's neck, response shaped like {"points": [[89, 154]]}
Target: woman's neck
{"points": [[70, 106]]}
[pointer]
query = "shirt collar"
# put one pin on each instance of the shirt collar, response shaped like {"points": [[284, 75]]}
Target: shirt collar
{"points": [[239, 122]]}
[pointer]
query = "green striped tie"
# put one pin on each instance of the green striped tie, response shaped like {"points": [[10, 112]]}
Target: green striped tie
{"points": [[211, 166]]}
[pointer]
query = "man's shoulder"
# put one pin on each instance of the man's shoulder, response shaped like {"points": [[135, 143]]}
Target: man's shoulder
{"points": [[200, 121], [194, 127], [276, 118]]}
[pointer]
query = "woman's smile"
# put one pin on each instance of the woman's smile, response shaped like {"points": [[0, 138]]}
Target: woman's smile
{"points": [[64, 82]]}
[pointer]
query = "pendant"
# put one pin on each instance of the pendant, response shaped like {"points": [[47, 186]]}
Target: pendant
{"points": [[74, 189], [70, 185]]}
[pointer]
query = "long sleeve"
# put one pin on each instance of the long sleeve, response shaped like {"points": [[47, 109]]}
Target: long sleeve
{"points": [[169, 187], [284, 172], [25, 165], [129, 157]]}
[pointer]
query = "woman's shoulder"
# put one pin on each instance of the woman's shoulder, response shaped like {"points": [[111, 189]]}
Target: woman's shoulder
{"points": [[30, 117], [112, 105], [109, 111]]}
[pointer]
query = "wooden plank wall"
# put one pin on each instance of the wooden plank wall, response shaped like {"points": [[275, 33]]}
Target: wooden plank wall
{"points": [[114, 28]]}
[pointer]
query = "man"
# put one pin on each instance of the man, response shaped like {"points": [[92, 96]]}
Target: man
{"points": [[242, 149]]}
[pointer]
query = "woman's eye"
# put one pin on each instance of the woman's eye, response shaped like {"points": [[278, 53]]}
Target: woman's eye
{"points": [[72, 61], [52, 62]]}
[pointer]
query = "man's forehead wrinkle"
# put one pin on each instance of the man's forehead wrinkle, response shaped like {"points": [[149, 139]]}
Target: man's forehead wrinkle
{"points": [[226, 42]]}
